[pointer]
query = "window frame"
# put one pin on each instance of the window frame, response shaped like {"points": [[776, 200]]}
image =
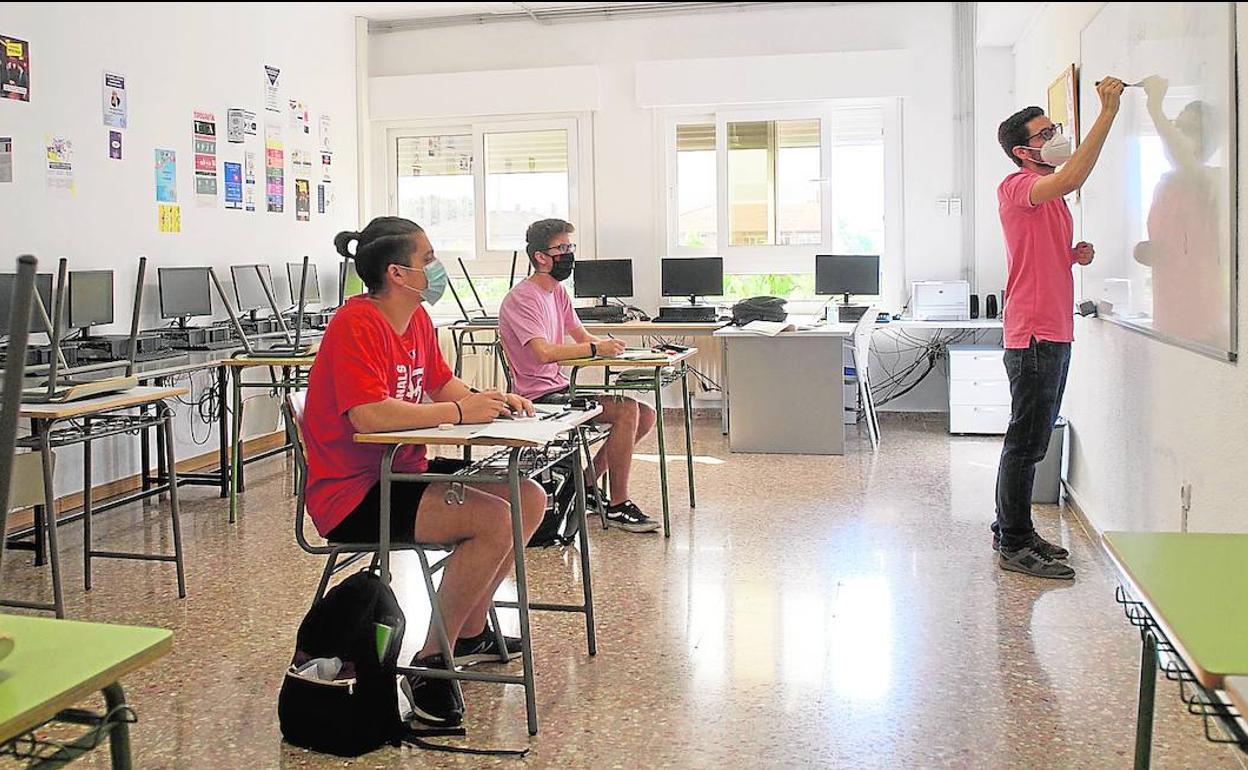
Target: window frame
{"points": [[487, 262]]}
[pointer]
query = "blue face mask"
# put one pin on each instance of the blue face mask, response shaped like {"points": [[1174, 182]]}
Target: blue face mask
{"points": [[436, 280]]}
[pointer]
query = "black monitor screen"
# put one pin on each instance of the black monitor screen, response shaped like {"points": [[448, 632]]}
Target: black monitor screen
{"points": [[184, 291], [90, 298], [43, 287], [696, 277], [247, 287], [312, 292], [603, 278], [847, 274]]}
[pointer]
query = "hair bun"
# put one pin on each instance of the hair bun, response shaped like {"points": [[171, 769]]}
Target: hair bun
{"points": [[343, 240]]}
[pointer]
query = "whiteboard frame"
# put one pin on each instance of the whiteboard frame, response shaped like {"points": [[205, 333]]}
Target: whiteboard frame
{"points": [[1232, 117]]}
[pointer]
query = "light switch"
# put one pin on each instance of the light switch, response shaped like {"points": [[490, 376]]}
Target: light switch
{"points": [[942, 206], [955, 207]]}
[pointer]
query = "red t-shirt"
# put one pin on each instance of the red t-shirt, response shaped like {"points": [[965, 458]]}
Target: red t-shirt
{"points": [[1040, 289], [362, 361]]}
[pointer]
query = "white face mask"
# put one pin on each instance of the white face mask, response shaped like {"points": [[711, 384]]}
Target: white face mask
{"points": [[1055, 151]]}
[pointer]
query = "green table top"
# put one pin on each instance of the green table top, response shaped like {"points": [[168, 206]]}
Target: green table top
{"points": [[56, 664], [1195, 585]]}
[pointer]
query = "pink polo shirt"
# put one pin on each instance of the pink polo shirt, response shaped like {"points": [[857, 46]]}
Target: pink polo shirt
{"points": [[1040, 289], [529, 312]]}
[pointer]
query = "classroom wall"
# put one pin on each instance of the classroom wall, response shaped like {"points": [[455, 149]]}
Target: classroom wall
{"points": [[177, 59], [626, 156], [1145, 416]]}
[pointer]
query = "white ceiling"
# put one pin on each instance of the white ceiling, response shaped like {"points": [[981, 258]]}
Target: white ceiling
{"points": [[1002, 24], [393, 11]]}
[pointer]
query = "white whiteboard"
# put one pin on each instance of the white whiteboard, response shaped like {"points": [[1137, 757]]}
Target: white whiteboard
{"points": [[1160, 205]]}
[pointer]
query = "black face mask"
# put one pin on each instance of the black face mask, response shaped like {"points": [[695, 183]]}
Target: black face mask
{"points": [[562, 269]]}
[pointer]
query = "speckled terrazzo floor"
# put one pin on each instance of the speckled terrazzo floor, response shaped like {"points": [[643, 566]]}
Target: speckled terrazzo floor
{"points": [[813, 612]]}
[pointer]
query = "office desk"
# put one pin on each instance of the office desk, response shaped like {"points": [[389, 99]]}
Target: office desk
{"points": [[82, 422], [54, 665], [785, 394], [1185, 592], [292, 378], [518, 459], [661, 364], [1237, 691]]}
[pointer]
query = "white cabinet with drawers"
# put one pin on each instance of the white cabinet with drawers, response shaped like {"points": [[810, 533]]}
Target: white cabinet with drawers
{"points": [[979, 390]]}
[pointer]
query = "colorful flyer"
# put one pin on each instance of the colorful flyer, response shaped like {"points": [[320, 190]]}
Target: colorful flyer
{"points": [[249, 181], [274, 170], [272, 89], [169, 217], [327, 161], [115, 108], [205, 137], [60, 164], [114, 145], [166, 176], [239, 125], [324, 134], [6, 160], [300, 121], [234, 185], [303, 200], [320, 199], [15, 74]]}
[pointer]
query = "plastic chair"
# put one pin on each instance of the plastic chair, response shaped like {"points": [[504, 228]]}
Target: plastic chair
{"points": [[863, 330]]}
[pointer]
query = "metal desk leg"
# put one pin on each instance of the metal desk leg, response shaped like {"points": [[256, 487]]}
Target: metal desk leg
{"points": [[658, 410], [236, 449], [587, 584], [145, 453], [161, 471], [723, 387], [86, 507], [1144, 713], [119, 735], [457, 342], [171, 461], [688, 407], [223, 428], [522, 587], [49, 519]]}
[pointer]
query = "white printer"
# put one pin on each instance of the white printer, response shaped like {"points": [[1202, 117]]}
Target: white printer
{"points": [[940, 301]]}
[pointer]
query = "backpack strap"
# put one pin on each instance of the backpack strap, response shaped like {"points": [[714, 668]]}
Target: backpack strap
{"points": [[414, 737]]}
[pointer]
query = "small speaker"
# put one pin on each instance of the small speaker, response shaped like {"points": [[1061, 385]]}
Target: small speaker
{"points": [[974, 306], [990, 306]]}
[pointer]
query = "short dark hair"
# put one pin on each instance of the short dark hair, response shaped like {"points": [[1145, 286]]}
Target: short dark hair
{"points": [[1013, 131], [386, 241], [542, 232]]}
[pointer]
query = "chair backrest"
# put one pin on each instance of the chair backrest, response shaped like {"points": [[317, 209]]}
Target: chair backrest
{"points": [[501, 353], [862, 340], [26, 489], [11, 399], [293, 407]]}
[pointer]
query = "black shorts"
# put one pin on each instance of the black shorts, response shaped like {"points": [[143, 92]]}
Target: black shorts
{"points": [[363, 524], [560, 396]]}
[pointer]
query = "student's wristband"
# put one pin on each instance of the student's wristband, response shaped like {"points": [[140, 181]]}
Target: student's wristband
{"points": [[593, 350], [459, 409]]}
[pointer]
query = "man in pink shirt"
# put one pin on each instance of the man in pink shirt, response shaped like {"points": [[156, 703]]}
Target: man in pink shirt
{"points": [[1039, 311], [534, 322]]}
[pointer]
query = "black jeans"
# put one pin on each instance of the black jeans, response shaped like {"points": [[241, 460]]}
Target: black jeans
{"points": [[1037, 381]]}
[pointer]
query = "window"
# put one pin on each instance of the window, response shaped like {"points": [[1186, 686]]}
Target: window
{"points": [[858, 183], [773, 183], [696, 212], [435, 189], [526, 180]]}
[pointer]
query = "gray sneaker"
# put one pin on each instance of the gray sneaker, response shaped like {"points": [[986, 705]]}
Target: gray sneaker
{"points": [[1030, 560]]}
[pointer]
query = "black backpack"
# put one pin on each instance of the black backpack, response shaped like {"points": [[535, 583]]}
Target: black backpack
{"points": [[758, 309], [558, 525]]}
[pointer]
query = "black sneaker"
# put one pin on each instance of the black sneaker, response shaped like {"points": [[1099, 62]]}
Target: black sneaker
{"points": [[1052, 550], [434, 702], [1029, 560], [628, 517], [483, 648]]}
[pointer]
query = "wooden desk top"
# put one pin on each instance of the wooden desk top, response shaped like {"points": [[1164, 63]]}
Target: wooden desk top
{"points": [[463, 435], [627, 329], [132, 397], [1193, 586], [262, 359], [57, 664], [660, 359]]}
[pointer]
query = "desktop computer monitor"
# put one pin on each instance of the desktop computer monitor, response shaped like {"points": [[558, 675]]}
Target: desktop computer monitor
{"points": [[184, 292], [90, 298], [248, 289], [847, 274], [43, 288], [603, 278], [693, 277], [311, 292]]}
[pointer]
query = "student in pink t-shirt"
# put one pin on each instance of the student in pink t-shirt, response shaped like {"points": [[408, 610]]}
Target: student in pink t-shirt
{"points": [[1039, 311], [534, 322]]}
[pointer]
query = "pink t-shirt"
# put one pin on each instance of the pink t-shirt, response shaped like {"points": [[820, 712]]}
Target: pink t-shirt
{"points": [[529, 312], [1040, 289]]}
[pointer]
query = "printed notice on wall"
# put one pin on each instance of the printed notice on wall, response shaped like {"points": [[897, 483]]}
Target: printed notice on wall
{"points": [[249, 181], [6, 160], [60, 163], [300, 120], [272, 89], [303, 200], [114, 100], [274, 170], [233, 185], [169, 217], [239, 125], [15, 74], [166, 176], [114, 145], [205, 138], [327, 162], [324, 134]]}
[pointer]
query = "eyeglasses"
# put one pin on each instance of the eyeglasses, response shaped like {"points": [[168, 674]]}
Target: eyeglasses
{"points": [[564, 248], [1047, 133]]}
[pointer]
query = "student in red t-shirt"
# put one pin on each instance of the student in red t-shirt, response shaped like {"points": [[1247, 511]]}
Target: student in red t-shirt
{"points": [[1039, 311], [379, 368]]}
